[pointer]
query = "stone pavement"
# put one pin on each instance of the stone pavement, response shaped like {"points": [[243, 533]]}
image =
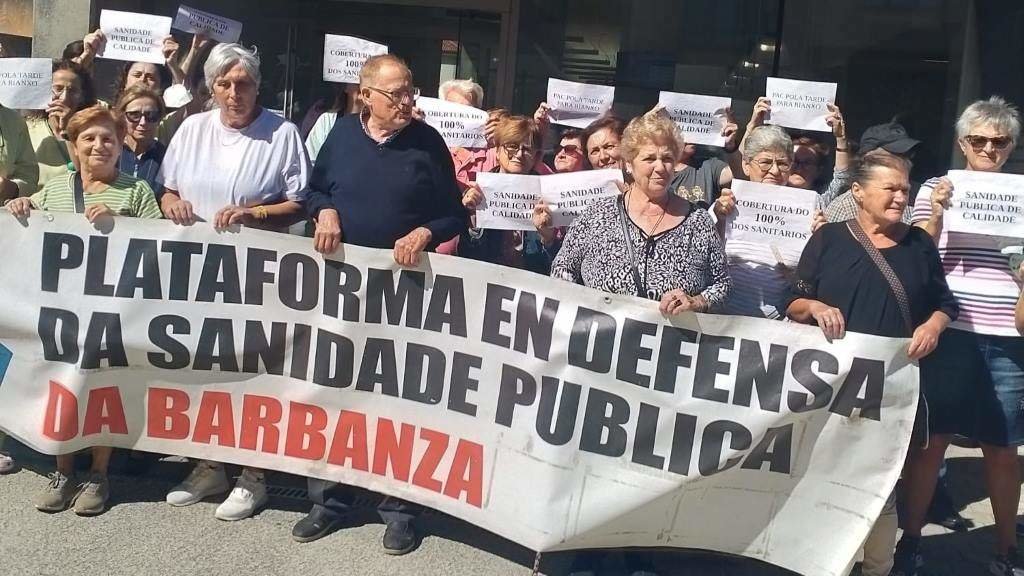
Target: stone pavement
{"points": [[140, 534]]}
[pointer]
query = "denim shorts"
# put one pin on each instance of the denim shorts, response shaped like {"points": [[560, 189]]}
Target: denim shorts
{"points": [[974, 386]]}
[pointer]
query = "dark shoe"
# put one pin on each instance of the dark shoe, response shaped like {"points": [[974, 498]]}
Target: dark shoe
{"points": [[943, 512], [1009, 564], [317, 524], [400, 538], [964, 442], [138, 463], [907, 559]]}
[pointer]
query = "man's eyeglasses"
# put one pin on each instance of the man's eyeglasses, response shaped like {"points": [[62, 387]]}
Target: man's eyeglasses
{"points": [[765, 164], [513, 149], [398, 96], [979, 142], [569, 149], [134, 116]]}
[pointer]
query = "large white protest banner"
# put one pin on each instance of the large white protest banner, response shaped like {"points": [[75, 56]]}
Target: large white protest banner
{"points": [[986, 203], [453, 385], [509, 199], [197, 21], [344, 57], [577, 105], [800, 104], [700, 118], [134, 37], [25, 83], [459, 125], [778, 218]]}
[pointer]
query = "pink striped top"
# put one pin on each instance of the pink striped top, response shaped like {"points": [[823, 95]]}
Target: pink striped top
{"points": [[978, 274]]}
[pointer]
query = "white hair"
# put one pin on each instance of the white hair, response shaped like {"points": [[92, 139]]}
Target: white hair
{"points": [[224, 57], [766, 139], [468, 88], [995, 112]]}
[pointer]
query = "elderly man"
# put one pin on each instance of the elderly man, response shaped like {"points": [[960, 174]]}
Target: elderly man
{"points": [[381, 180]]}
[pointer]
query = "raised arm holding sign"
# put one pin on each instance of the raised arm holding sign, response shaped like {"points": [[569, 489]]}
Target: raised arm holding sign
{"points": [[459, 125], [134, 37], [700, 119], [989, 203]]}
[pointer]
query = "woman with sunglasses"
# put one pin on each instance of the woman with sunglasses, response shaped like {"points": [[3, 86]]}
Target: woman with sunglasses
{"points": [[142, 153], [975, 384]]}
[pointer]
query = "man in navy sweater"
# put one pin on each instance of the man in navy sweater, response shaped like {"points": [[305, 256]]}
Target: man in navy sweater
{"points": [[381, 180]]}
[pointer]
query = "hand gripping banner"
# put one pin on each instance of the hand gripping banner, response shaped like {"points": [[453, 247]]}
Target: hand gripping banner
{"points": [[556, 416]]}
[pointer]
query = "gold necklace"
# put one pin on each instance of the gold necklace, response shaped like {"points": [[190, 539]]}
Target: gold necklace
{"points": [[660, 218]]}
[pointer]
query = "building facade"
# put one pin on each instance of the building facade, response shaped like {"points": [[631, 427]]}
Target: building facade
{"points": [[918, 61]]}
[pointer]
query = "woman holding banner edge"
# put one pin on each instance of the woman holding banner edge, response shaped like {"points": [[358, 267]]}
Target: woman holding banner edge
{"points": [[876, 275], [976, 381]]}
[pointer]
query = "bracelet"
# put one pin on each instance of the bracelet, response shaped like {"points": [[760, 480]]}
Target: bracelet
{"points": [[842, 149], [260, 213]]}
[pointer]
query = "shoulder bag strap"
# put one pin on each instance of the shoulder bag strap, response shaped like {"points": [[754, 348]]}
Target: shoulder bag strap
{"points": [[624, 221], [79, 193], [887, 272]]}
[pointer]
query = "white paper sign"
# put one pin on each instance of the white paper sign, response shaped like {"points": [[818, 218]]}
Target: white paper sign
{"points": [[577, 105], [25, 83], [700, 118], [134, 37], [197, 21], [509, 199], [459, 125], [800, 104], [776, 217], [986, 203], [344, 57]]}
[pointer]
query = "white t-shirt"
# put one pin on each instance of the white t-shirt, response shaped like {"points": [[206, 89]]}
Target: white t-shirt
{"points": [[213, 166]]}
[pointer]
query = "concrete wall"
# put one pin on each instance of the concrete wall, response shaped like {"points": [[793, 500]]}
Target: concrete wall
{"points": [[16, 17], [57, 22]]}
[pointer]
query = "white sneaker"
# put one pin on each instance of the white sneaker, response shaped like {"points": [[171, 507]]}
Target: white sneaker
{"points": [[6, 464], [206, 479], [249, 494]]}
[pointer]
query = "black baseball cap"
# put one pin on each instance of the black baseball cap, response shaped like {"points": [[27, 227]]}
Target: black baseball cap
{"points": [[891, 136]]}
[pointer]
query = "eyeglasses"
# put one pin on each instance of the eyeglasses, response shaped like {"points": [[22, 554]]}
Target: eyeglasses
{"points": [[980, 142], [513, 149], [134, 116], [765, 164], [569, 149], [60, 91], [398, 96]]}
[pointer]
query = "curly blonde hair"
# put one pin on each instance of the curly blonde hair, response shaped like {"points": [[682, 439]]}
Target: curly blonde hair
{"points": [[652, 128]]}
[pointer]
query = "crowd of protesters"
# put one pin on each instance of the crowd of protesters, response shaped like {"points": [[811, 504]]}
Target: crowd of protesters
{"points": [[187, 141]]}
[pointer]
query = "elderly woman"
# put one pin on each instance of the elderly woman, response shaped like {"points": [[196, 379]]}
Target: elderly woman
{"points": [[648, 243], [97, 190], [238, 164], [601, 142], [975, 385], [465, 92], [518, 145], [142, 154], [875, 275], [569, 155], [760, 289], [72, 90]]}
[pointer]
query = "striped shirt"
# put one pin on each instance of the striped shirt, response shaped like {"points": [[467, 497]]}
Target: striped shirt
{"points": [[127, 196], [978, 275], [760, 287]]}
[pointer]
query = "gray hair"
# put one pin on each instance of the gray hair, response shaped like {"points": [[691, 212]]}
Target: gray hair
{"points": [[468, 88], [995, 112], [224, 57], [766, 139]]}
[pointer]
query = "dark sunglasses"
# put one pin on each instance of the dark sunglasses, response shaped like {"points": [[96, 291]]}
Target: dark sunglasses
{"points": [[569, 149], [979, 142], [151, 116]]}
